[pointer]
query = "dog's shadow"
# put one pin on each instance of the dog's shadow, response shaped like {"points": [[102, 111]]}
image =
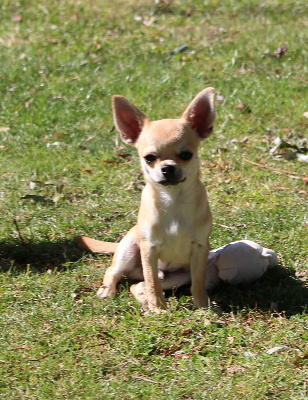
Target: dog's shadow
{"points": [[278, 291], [40, 256]]}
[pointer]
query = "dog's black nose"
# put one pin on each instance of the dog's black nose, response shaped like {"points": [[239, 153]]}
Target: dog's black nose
{"points": [[168, 170]]}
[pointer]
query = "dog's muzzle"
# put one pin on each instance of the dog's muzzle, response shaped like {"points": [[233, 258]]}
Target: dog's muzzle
{"points": [[171, 175]]}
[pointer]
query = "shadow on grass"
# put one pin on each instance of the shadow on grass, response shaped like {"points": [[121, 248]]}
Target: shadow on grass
{"points": [[278, 291], [41, 256]]}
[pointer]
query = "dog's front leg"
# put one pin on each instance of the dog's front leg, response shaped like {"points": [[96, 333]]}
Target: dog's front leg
{"points": [[198, 262], [154, 293]]}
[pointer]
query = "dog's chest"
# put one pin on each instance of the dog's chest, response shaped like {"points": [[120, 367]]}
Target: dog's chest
{"points": [[172, 222], [175, 237]]}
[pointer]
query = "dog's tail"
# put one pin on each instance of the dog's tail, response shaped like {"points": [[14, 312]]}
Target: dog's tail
{"points": [[96, 246]]}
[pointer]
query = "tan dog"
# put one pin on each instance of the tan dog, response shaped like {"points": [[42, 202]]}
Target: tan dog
{"points": [[174, 219]]}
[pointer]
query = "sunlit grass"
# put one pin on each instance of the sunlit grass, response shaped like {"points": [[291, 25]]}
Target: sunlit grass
{"points": [[63, 174]]}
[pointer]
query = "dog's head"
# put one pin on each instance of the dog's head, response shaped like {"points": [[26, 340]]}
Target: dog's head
{"points": [[168, 148]]}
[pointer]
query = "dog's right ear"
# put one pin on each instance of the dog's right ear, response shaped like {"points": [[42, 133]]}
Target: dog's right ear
{"points": [[128, 120]]}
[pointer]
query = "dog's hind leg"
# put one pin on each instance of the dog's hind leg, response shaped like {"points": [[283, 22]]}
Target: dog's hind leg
{"points": [[175, 279], [126, 261], [170, 280]]}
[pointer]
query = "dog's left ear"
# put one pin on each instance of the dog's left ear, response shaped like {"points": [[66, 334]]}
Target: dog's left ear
{"points": [[201, 112]]}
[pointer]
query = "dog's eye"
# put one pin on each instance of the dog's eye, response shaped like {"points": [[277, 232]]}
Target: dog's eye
{"points": [[150, 158], [185, 155]]}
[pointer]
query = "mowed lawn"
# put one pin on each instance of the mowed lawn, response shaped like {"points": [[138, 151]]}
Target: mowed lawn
{"points": [[65, 172]]}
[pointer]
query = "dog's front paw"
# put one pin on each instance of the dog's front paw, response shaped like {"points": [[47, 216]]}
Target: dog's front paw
{"points": [[139, 292], [157, 305], [157, 310], [105, 291], [201, 302]]}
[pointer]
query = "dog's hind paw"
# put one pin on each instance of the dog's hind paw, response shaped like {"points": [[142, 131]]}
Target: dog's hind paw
{"points": [[138, 291], [105, 291]]}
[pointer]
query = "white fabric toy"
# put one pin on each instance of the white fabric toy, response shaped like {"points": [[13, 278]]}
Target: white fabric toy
{"points": [[238, 262]]}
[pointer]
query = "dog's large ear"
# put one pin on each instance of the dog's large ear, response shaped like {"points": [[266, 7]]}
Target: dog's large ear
{"points": [[201, 112], [128, 119]]}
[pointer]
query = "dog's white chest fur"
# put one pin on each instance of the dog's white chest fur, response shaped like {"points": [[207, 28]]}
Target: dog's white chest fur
{"points": [[174, 245], [173, 228]]}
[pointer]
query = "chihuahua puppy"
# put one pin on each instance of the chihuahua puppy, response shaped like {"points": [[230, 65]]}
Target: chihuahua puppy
{"points": [[174, 219]]}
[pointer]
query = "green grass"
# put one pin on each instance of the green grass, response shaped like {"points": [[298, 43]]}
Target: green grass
{"points": [[62, 174]]}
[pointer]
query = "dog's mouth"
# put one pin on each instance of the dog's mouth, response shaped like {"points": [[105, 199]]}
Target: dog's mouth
{"points": [[171, 182]]}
